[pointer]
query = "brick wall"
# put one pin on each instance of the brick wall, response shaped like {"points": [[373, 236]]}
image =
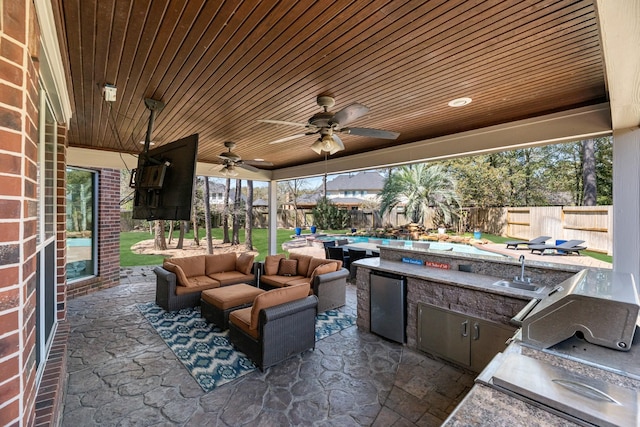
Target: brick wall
{"points": [[108, 237], [18, 221]]}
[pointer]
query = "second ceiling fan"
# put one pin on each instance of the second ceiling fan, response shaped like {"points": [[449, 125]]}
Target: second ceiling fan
{"points": [[230, 160], [327, 124]]}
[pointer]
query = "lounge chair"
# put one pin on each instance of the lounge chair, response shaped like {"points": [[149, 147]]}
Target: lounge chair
{"points": [[513, 244], [567, 247]]}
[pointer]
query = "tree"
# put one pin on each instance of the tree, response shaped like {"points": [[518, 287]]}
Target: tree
{"points": [[159, 241], [237, 211], [419, 187], [328, 216], [604, 170], [207, 216], [293, 189], [589, 189], [248, 240], [480, 181], [225, 213]]}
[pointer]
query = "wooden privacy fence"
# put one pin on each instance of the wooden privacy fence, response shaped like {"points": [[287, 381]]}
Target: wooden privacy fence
{"points": [[593, 224]]}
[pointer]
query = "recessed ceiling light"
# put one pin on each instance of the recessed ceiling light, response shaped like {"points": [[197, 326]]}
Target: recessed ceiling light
{"points": [[258, 160], [460, 102]]}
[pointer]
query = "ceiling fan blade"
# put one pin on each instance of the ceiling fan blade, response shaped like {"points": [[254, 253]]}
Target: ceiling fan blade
{"points": [[257, 163], [349, 114], [288, 138], [373, 133], [245, 166], [280, 122]]}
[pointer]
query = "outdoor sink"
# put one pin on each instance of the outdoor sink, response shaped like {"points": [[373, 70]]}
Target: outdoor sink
{"points": [[517, 285]]}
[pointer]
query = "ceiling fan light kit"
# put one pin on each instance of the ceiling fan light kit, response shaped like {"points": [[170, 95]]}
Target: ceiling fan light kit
{"points": [[327, 124], [229, 170]]}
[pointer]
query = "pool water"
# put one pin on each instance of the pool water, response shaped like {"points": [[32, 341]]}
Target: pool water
{"points": [[439, 246]]}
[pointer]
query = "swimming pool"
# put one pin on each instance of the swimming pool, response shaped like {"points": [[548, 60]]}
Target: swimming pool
{"points": [[439, 246]]}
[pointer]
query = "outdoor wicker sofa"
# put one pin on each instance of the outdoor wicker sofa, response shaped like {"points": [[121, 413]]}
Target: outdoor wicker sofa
{"points": [[326, 277], [279, 324], [180, 281]]}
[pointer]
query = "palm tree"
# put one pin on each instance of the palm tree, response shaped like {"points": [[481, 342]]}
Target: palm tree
{"points": [[419, 187]]}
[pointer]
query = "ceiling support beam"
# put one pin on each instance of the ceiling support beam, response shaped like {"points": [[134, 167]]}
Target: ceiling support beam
{"points": [[572, 125]]}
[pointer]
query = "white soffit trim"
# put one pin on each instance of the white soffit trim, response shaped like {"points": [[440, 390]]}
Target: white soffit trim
{"points": [[620, 34], [90, 158], [51, 67], [572, 125]]}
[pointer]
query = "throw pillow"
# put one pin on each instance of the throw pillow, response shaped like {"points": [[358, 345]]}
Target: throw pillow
{"points": [[244, 263], [288, 267], [324, 268], [175, 269], [271, 264]]}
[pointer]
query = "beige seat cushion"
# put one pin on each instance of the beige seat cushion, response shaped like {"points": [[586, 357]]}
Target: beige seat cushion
{"points": [[271, 264], [315, 262], [220, 263], [276, 297], [299, 281], [181, 278], [303, 262], [244, 262], [323, 269], [242, 319], [231, 296], [231, 277], [191, 265], [279, 281], [199, 283]]}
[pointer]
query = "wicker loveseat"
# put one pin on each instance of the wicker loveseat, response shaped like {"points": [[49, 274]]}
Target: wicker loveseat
{"points": [[279, 324], [326, 277], [180, 281]]}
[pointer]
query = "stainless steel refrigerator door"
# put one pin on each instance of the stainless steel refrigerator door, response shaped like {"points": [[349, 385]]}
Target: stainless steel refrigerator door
{"points": [[388, 307]]}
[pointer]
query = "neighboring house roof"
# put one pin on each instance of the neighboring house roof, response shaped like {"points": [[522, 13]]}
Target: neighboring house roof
{"points": [[347, 201], [370, 181], [260, 202]]}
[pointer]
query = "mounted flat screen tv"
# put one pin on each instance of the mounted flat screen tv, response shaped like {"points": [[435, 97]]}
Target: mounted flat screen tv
{"points": [[164, 181]]}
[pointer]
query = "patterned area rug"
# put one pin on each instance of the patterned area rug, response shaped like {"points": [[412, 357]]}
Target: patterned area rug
{"points": [[206, 351]]}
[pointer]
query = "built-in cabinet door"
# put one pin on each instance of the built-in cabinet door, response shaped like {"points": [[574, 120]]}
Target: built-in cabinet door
{"points": [[444, 332], [465, 340], [487, 340]]}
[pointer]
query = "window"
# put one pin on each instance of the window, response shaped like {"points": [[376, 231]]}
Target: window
{"points": [[81, 233], [46, 228]]}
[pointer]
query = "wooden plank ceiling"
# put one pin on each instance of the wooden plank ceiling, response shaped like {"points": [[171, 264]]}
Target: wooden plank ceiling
{"points": [[220, 66]]}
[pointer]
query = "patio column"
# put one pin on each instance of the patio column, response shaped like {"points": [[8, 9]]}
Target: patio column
{"points": [[626, 202], [272, 231]]}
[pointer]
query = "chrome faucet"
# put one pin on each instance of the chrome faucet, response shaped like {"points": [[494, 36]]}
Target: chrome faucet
{"points": [[522, 279]]}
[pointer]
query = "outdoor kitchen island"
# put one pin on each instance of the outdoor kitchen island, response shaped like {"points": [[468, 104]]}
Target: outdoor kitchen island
{"points": [[514, 387]]}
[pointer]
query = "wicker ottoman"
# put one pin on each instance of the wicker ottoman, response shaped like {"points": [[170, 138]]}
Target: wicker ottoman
{"points": [[216, 304]]}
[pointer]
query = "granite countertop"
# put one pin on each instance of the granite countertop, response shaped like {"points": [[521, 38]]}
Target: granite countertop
{"points": [[485, 405], [452, 277]]}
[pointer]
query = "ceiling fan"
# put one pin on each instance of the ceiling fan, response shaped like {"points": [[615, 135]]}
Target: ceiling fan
{"points": [[231, 160], [327, 124]]}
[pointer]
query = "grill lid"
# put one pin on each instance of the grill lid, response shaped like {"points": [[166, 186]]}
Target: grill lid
{"points": [[600, 305]]}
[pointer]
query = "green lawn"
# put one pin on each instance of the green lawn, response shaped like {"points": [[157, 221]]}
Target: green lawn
{"points": [[129, 238]]}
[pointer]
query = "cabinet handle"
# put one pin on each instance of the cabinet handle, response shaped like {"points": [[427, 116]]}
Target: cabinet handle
{"points": [[476, 330], [463, 328]]}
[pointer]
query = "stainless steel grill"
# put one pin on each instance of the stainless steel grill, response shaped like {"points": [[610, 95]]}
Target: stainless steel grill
{"points": [[584, 319], [599, 305]]}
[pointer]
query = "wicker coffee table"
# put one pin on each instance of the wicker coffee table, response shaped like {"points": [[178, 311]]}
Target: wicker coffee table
{"points": [[216, 304]]}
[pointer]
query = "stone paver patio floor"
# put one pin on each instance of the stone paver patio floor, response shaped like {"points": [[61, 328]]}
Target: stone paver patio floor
{"points": [[121, 373]]}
